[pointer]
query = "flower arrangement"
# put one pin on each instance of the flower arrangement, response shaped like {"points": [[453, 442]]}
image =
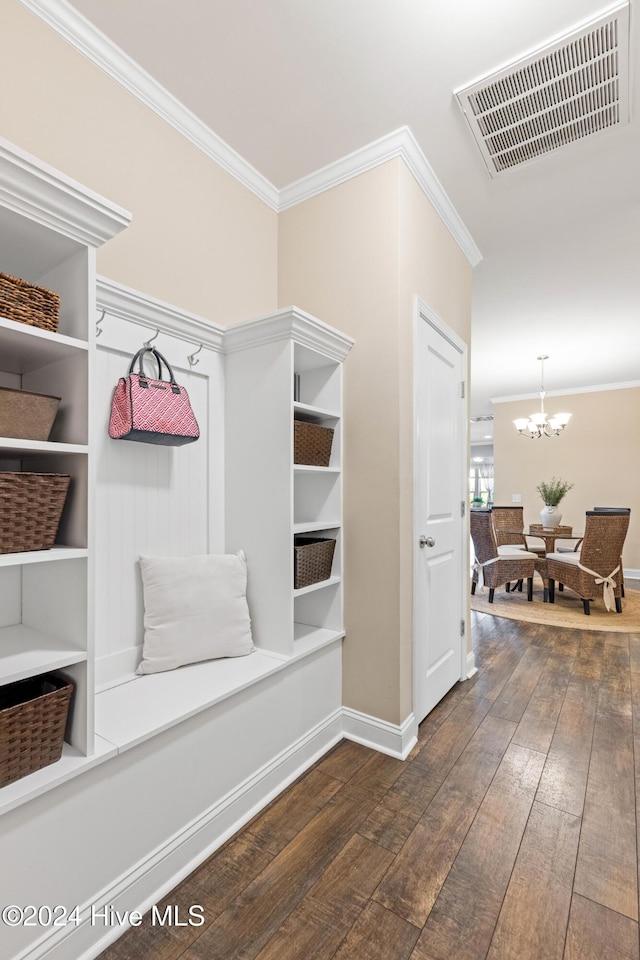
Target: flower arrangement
{"points": [[553, 491]]}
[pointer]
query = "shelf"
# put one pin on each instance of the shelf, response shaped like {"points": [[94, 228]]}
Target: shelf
{"points": [[329, 582], [70, 765], [308, 638], [316, 525], [24, 348], [315, 413], [26, 653], [42, 556], [14, 445], [307, 468]]}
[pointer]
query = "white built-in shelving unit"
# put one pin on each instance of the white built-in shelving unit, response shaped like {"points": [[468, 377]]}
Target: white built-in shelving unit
{"points": [[270, 498], [49, 229]]}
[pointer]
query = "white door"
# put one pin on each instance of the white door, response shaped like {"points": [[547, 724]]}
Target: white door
{"points": [[439, 494]]}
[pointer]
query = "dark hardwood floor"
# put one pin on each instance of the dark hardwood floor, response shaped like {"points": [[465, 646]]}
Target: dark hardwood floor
{"points": [[509, 834]]}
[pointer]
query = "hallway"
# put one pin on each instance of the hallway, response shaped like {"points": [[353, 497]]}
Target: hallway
{"points": [[510, 833]]}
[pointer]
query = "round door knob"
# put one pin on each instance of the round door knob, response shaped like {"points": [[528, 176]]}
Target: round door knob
{"points": [[427, 542]]}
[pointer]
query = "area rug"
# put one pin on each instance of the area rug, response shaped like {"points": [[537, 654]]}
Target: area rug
{"points": [[565, 612]]}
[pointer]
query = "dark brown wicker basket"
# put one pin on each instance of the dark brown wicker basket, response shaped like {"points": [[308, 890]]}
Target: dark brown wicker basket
{"points": [[311, 443], [30, 509], [312, 560], [33, 717], [27, 303]]}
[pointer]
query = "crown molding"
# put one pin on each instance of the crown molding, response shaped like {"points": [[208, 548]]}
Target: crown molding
{"points": [[120, 301], [290, 323], [400, 143], [570, 391], [43, 194], [93, 44]]}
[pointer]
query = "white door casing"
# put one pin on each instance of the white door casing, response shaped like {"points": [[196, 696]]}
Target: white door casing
{"points": [[440, 442]]}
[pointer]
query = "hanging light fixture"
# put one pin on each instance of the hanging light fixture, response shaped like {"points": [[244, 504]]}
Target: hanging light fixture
{"points": [[538, 425]]}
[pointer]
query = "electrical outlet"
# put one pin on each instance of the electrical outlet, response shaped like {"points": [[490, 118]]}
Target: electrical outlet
{"points": [[516, 498]]}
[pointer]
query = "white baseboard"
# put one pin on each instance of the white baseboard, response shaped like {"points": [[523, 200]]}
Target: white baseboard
{"points": [[396, 741], [631, 574], [155, 876], [471, 666]]}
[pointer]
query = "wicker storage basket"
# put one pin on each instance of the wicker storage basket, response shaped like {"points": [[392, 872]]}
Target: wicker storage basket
{"points": [[30, 509], [26, 303], [33, 717], [312, 560], [26, 416], [311, 443]]}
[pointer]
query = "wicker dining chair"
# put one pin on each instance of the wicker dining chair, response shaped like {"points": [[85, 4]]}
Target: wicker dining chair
{"points": [[507, 521], [616, 510], [594, 571], [497, 568], [578, 545]]}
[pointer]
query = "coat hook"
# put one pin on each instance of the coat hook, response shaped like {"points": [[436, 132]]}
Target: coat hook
{"points": [[98, 327], [147, 343], [192, 358]]}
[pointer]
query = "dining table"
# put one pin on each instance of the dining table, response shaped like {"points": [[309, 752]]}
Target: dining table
{"points": [[551, 534]]}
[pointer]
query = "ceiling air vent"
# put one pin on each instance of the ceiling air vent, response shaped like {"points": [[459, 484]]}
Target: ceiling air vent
{"points": [[566, 91]]}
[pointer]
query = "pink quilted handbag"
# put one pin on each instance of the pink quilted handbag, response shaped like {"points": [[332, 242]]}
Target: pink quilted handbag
{"points": [[152, 411]]}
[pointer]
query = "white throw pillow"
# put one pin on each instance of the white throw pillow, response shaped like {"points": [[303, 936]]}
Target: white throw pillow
{"points": [[195, 608]]}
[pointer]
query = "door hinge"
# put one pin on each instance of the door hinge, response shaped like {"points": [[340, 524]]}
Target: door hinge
{"points": [[462, 628], [462, 507], [462, 389]]}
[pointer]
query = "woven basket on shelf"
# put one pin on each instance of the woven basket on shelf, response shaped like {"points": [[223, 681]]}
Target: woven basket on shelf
{"points": [[30, 509], [33, 717], [312, 560], [25, 415], [27, 303], [311, 443]]}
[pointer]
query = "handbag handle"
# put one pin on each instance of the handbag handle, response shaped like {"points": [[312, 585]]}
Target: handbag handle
{"points": [[139, 356]]}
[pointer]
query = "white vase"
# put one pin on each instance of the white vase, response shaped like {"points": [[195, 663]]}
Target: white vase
{"points": [[550, 517]]}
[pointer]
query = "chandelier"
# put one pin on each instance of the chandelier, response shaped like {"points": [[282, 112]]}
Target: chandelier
{"points": [[538, 424]]}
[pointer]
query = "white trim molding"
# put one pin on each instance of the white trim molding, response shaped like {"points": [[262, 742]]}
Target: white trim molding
{"points": [[37, 191], [119, 301], [571, 391], [400, 143], [100, 50], [289, 323], [93, 44], [395, 741], [471, 665]]}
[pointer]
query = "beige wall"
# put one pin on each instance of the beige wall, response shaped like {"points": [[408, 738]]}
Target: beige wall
{"points": [[198, 239], [356, 256], [338, 260], [598, 452]]}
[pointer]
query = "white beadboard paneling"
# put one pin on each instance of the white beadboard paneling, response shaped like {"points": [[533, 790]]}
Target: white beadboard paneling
{"points": [[161, 501]]}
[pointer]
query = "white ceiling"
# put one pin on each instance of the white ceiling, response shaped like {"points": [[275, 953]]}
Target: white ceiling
{"points": [[293, 86]]}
